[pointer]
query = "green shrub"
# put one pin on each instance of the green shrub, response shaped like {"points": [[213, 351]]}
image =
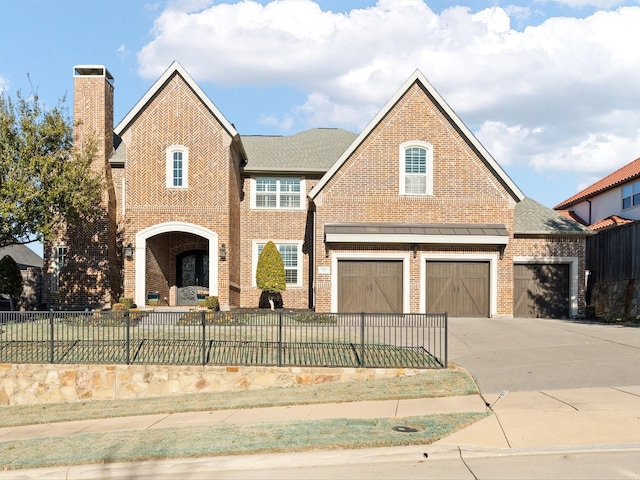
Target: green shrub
{"points": [[10, 278], [270, 274], [211, 303], [127, 302]]}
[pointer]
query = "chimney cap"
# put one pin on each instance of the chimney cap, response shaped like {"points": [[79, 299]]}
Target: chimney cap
{"points": [[93, 71]]}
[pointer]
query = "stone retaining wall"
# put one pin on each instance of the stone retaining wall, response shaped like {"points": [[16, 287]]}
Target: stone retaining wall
{"points": [[619, 298], [22, 384]]}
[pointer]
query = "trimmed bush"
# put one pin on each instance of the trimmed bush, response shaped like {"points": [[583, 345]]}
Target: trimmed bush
{"points": [[270, 275], [127, 302], [211, 303]]}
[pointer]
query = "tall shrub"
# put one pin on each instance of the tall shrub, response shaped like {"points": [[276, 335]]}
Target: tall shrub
{"points": [[10, 278], [270, 275]]}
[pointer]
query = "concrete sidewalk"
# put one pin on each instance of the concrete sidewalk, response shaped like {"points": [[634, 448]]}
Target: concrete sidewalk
{"points": [[537, 421]]}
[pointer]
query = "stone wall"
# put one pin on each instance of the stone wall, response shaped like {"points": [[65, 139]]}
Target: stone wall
{"points": [[620, 298], [22, 384]]}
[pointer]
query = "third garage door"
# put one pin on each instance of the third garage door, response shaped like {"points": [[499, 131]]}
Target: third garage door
{"points": [[460, 289], [541, 290]]}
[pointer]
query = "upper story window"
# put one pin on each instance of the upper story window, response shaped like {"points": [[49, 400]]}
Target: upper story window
{"points": [[416, 168], [277, 193], [177, 167], [631, 195]]}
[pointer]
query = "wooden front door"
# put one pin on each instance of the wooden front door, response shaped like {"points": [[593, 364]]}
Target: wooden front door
{"points": [[370, 286], [460, 289]]}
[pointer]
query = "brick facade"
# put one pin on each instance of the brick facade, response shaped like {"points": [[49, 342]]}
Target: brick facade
{"points": [[161, 222]]}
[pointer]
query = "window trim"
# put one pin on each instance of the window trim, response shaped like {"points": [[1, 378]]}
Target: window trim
{"points": [[278, 243], [185, 167], [635, 191], [428, 167], [278, 193]]}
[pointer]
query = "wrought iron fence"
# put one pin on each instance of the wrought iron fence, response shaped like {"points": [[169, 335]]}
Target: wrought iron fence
{"points": [[225, 338]]}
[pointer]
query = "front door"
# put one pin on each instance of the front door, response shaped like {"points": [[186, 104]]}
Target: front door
{"points": [[192, 276]]}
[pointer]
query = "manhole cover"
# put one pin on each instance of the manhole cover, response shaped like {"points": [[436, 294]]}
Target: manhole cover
{"points": [[403, 429]]}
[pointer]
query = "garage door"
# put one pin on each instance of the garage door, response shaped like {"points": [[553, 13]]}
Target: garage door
{"points": [[370, 286], [460, 289], [541, 290]]}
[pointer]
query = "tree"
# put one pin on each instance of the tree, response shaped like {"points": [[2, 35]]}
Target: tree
{"points": [[44, 182], [10, 278], [270, 276]]}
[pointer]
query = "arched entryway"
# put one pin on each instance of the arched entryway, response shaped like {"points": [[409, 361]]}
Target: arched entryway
{"points": [[160, 247]]}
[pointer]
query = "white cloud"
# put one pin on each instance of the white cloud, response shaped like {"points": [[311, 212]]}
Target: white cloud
{"points": [[545, 96]]}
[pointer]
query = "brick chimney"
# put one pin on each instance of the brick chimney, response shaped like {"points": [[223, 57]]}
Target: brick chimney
{"points": [[93, 110]]}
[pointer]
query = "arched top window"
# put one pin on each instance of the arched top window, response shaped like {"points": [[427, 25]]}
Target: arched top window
{"points": [[177, 167], [416, 168]]}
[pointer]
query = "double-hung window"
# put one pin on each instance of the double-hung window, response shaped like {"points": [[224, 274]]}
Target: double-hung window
{"points": [[631, 195], [177, 167], [278, 193], [291, 254], [416, 168]]}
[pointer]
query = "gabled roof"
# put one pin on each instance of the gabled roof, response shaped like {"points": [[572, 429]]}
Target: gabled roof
{"points": [[313, 150], [620, 176], [418, 77], [532, 218], [174, 68], [22, 255]]}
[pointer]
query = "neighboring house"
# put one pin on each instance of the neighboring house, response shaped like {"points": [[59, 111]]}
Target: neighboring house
{"points": [[614, 200], [30, 264], [611, 207], [410, 215]]}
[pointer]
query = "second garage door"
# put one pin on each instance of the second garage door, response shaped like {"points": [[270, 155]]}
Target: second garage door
{"points": [[541, 290], [370, 286], [460, 289]]}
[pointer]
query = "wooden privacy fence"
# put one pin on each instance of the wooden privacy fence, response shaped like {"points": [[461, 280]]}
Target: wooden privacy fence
{"points": [[614, 254], [225, 338]]}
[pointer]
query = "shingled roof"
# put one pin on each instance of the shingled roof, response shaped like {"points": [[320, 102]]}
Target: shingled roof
{"points": [[620, 176], [314, 150], [532, 218]]}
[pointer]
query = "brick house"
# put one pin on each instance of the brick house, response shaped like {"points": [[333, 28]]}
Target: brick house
{"points": [[411, 215]]}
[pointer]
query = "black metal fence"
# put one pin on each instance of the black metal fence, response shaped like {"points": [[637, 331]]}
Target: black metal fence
{"points": [[225, 338]]}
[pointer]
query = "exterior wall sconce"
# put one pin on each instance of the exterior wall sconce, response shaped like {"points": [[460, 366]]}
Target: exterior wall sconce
{"points": [[128, 252], [223, 252]]}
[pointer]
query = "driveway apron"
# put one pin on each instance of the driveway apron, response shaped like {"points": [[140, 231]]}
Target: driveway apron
{"points": [[538, 354]]}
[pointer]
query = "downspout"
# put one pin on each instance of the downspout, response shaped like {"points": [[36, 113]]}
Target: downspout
{"points": [[589, 202]]}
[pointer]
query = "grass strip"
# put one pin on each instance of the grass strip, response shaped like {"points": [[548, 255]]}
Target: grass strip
{"points": [[428, 384], [266, 437]]}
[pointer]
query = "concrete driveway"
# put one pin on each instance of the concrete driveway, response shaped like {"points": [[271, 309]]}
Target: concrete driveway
{"points": [[540, 354]]}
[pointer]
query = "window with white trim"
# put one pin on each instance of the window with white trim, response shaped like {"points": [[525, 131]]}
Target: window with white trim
{"points": [[177, 167], [291, 254], [58, 261], [416, 168], [631, 195], [284, 193]]}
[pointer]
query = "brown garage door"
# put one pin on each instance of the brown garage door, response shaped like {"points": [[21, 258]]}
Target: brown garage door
{"points": [[541, 290], [460, 289], [370, 286]]}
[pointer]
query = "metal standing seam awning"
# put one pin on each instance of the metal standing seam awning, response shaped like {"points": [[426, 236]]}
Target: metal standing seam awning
{"points": [[429, 233]]}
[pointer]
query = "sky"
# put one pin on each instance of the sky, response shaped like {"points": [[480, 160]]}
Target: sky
{"points": [[551, 88]]}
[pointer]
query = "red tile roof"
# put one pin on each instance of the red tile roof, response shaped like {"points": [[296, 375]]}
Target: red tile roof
{"points": [[612, 221], [622, 175], [571, 215]]}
